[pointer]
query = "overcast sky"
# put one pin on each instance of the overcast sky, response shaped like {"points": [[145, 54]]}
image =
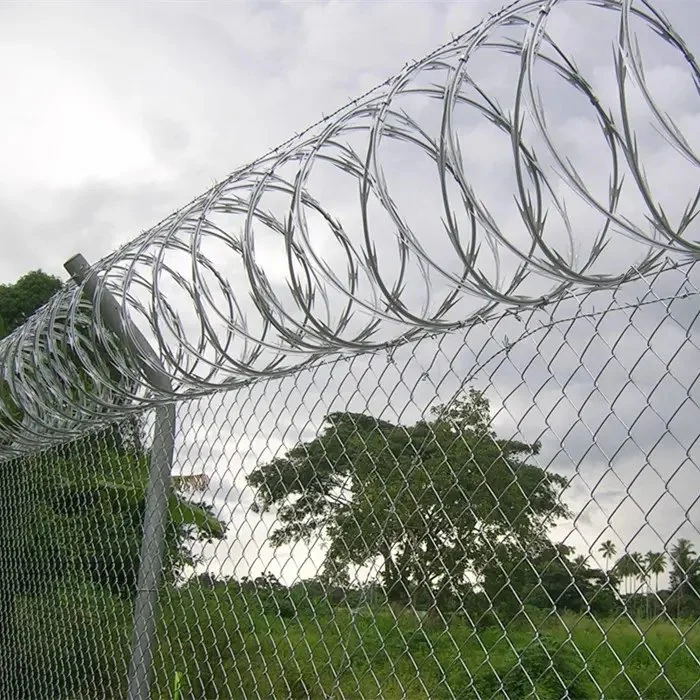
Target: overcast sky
{"points": [[118, 113], [115, 114]]}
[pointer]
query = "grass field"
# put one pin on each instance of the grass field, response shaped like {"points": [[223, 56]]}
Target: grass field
{"points": [[231, 646]]}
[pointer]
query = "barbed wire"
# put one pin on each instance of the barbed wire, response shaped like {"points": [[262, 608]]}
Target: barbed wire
{"points": [[229, 289]]}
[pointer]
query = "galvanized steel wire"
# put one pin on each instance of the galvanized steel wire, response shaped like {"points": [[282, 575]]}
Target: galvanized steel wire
{"points": [[199, 282]]}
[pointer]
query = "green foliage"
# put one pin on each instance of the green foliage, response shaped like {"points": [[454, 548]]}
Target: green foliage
{"points": [[178, 684], [685, 579], [73, 520], [429, 499], [71, 643], [100, 505], [546, 579], [20, 300], [544, 669], [10, 413], [227, 645], [636, 572]]}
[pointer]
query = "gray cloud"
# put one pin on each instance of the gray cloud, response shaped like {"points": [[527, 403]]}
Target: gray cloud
{"points": [[632, 467], [124, 112]]}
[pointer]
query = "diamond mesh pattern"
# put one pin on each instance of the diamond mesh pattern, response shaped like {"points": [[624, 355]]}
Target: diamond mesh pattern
{"points": [[506, 511]]}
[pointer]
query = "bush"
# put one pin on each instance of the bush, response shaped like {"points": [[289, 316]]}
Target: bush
{"points": [[528, 618], [71, 643], [544, 669]]}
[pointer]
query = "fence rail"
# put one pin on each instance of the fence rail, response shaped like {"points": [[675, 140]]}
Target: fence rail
{"points": [[424, 451]]}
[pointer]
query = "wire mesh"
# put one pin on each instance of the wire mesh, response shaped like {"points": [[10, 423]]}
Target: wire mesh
{"points": [[504, 511], [381, 546], [322, 245], [405, 466]]}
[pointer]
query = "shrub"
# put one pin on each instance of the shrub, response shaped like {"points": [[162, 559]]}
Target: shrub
{"points": [[72, 643], [544, 670]]}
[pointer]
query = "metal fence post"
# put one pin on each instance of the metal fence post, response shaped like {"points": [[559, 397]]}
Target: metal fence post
{"points": [[158, 489]]}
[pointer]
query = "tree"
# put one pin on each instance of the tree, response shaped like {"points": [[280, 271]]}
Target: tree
{"points": [[74, 512], [625, 568], [685, 576], [608, 550], [115, 447], [634, 566], [654, 564], [431, 500], [22, 532], [20, 300], [635, 572], [548, 579], [100, 503], [78, 510], [638, 569]]}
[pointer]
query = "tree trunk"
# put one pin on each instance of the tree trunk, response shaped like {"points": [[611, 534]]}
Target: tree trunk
{"points": [[390, 574], [648, 596], [394, 583]]}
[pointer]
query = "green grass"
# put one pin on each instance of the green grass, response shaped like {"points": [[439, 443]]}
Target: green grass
{"points": [[232, 645]]}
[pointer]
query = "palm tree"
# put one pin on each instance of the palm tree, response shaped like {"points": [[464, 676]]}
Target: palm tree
{"points": [[638, 569], [656, 564], [630, 566], [608, 550], [683, 564], [638, 572], [624, 568]]}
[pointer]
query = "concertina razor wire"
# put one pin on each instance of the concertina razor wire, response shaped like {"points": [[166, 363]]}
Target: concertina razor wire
{"points": [[257, 277], [328, 536], [567, 568]]}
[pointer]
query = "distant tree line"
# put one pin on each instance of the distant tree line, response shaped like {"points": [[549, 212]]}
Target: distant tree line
{"points": [[457, 517], [639, 576]]}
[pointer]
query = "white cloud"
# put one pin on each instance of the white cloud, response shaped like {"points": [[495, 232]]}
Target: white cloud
{"points": [[116, 114]]}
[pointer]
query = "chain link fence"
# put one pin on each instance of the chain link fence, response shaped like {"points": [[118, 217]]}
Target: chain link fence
{"points": [[406, 408], [509, 510]]}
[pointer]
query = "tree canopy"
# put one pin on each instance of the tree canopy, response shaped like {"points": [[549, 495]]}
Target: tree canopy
{"points": [[93, 493], [685, 577], [20, 300], [73, 514], [430, 500]]}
